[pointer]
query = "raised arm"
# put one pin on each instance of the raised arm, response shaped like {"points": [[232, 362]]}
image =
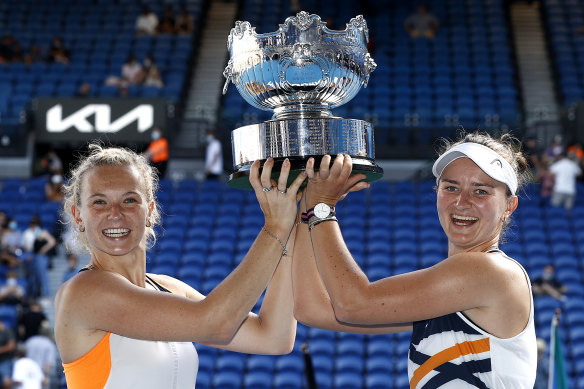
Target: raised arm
{"points": [[312, 304], [101, 300], [273, 329], [459, 283]]}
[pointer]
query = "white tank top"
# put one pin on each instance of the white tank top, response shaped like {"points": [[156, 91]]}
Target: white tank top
{"points": [[118, 362], [452, 352]]}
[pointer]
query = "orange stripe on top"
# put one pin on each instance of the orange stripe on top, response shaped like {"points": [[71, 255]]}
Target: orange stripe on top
{"points": [[458, 350], [92, 370]]}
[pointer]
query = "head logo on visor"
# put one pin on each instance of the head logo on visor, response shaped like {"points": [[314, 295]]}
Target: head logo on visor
{"points": [[486, 158]]}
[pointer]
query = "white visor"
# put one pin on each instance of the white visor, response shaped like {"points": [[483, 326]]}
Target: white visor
{"points": [[486, 158]]}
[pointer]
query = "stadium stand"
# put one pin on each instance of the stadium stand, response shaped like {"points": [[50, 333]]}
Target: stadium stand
{"points": [[465, 76]]}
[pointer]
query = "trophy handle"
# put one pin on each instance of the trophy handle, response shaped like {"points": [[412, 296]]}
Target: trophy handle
{"points": [[227, 73]]}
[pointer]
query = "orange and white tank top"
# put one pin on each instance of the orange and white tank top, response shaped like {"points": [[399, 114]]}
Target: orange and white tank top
{"points": [[118, 362], [453, 352]]}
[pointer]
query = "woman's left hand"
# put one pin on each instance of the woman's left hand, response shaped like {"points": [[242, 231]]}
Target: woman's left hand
{"points": [[278, 203], [332, 183]]}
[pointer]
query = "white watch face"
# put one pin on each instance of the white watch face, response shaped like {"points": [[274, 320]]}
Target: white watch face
{"points": [[322, 210]]}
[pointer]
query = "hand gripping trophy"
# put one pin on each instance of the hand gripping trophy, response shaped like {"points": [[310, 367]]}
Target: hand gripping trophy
{"points": [[301, 71]]}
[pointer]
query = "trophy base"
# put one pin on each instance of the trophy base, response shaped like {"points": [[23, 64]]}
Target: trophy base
{"points": [[240, 178], [298, 140]]}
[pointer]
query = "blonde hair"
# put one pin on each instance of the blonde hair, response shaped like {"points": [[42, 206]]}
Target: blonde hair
{"points": [[99, 155]]}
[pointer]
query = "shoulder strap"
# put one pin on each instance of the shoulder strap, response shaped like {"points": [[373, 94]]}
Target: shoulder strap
{"points": [[157, 285], [154, 283]]}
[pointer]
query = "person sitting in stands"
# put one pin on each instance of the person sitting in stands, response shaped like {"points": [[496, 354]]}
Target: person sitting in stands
{"points": [[547, 285]]}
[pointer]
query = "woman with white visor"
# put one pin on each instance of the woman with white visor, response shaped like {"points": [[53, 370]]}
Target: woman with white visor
{"points": [[471, 314]]}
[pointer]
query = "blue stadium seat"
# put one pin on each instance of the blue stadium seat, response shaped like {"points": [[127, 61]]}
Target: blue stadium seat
{"points": [[288, 380], [261, 363], [348, 380], [323, 363], [375, 364], [291, 363], [227, 380], [378, 380], [258, 379], [230, 362]]}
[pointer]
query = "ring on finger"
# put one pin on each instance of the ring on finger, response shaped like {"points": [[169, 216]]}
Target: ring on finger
{"points": [[283, 191], [267, 189]]}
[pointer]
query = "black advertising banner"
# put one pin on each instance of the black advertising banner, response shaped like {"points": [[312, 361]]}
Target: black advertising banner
{"points": [[82, 119]]}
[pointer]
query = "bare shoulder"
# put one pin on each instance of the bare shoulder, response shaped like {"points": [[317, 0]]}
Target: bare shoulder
{"points": [[494, 266], [74, 333], [504, 286], [82, 290], [176, 286]]}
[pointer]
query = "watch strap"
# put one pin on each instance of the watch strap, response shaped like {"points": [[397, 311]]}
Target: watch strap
{"points": [[314, 221]]}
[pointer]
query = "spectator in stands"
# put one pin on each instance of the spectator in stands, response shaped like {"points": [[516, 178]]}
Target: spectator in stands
{"points": [[184, 23], [157, 152], [132, 71], [54, 189], [147, 22], [565, 170], [578, 151], [554, 150], [17, 53], [27, 374], [84, 90], [542, 376], [7, 346], [213, 156], [34, 55], [72, 267], [422, 23], [167, 21], [546, 181], [6, 49], [124, 92], [51, 163], [3, 222], [476, 295], [114, 304], [12, 238], [548, 285], [38, 244], [295, 6], [8, 256], [57, 52], [152, 76], [533, 153], [12, 292], [31, 320], [41, 348]]}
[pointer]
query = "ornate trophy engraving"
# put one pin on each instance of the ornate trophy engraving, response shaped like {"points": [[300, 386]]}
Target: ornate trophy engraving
{"points": [[301, 71]]}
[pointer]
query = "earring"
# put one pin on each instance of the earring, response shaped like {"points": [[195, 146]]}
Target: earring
{"points": [[82, 228], [148, 222]]}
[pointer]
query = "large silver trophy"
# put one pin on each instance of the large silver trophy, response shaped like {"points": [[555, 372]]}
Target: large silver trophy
{"points": [[300, 71]]}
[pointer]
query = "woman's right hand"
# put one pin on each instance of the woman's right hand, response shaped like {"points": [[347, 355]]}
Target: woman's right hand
{"points": [[278, 203]]}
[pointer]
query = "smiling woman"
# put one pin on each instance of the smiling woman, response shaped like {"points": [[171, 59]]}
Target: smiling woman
{"points": [[471, 314], [118, 327]]}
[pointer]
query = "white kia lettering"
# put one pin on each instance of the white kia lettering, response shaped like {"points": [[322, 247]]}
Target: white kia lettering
{"points": [[143, 114]]}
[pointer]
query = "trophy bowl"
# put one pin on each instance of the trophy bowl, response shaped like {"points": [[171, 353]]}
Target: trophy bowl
{"points": [[300, 72]]}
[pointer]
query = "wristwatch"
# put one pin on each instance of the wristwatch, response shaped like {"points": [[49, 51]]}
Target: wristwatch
{"points": [[322, 210]]}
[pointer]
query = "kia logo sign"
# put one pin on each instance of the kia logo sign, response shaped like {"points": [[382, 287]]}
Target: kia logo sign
{"points": [[142, 114], [119, 120]]}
